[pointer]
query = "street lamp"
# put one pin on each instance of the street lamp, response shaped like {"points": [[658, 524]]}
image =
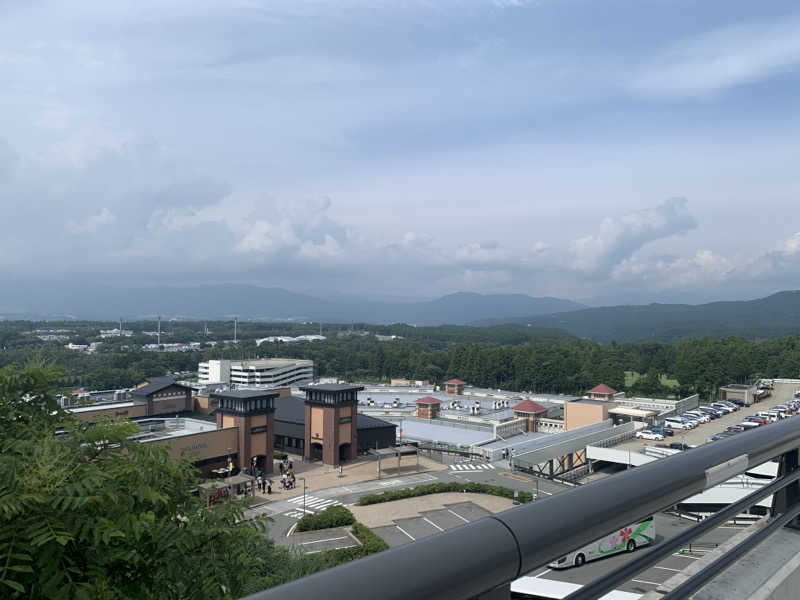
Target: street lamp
{"points": [[304, 493]]}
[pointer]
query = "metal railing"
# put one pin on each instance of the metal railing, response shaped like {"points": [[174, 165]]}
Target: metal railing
{"points": [[481, 559]]}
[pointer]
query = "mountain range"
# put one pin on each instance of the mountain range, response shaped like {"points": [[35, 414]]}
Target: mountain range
{"points": [[774, 316], [267, 304]]}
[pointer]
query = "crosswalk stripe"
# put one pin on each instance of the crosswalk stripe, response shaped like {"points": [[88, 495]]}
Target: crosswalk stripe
{"points": [[298, 499]]}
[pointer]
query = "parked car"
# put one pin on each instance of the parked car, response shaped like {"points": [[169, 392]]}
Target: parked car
{"points": [[707, 410], [736, 429], [665, 431], [755, 419], [724, 408], [697, 416], [749, 424], [675, 423], [732, 405], [678, 446], [647, 434]]}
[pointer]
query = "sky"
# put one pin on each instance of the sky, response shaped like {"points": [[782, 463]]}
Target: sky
{"points": [[608, 152]]}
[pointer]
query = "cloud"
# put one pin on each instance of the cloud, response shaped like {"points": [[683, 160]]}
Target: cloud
{"points": [[721, 59], [703, 268], [90, 224], [616, 239]]}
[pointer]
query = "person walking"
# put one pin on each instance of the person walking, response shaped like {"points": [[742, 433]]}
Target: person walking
{"points": [[260, 483]]}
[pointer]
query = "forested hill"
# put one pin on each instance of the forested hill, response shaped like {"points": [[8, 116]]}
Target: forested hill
{"points": [[774, 316], [264, 304]]}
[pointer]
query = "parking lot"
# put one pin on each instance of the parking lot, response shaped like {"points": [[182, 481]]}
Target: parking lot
{"points": [[311, 542], [405, 531], [782, 394]]}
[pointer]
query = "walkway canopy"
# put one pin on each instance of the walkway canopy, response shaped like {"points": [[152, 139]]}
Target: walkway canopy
{"points": [[396, 451]]}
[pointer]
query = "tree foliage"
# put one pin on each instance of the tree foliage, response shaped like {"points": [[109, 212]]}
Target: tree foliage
{"points": [[86, 513]]}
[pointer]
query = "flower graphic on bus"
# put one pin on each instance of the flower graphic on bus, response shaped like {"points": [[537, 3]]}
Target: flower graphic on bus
{"points": [[626, 534], [614, 541]]}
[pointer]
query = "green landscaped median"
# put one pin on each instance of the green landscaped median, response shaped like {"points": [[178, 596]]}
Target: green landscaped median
{"points": [[441, 488], [333, 516]]}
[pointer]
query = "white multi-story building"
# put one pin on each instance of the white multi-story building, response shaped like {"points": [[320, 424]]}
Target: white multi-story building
{"points": [[262, 372]]}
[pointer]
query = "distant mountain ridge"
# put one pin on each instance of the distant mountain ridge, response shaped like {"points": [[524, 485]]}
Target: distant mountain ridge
{"points": [[254, 302], [774, 316]]}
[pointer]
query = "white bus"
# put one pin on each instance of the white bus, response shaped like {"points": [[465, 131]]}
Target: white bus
{"points": [[626, 539], [536, 588]]}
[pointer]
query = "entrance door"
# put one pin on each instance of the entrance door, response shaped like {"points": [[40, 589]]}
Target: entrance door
{"points": [[344, 452], [316, 451]]}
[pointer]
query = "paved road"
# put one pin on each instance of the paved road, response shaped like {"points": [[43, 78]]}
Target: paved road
{"points": [[285, 513], [667, 526]]}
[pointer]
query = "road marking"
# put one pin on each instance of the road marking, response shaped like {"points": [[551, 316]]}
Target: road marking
{"points": [[344, 537], [545, 572], [337, 548], [543, 492], [668, 569], [347, 489], [472, 467], [413, 539], [458, 515], [426, 519], [291, 530], [686, 556], [647, 582]]}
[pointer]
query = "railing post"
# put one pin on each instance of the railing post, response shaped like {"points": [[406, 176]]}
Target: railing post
{"points": [[789, 496]]}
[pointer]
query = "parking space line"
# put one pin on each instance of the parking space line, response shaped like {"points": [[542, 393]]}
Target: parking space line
{"points": [[344, 537], [668, 569], [647, 582], [686, 556], [458, 515], [413, 539], [337, 548], [427, 520]]}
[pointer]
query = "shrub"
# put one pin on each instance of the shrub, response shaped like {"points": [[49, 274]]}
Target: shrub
{"points": [[333, 516], [440, 488], [278, 455]]}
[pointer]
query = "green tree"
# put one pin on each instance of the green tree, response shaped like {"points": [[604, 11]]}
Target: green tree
{"points": [[87, 513]]}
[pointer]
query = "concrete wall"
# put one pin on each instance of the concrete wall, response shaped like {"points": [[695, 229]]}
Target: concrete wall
{"points": [[579, 414], [203, 445]]}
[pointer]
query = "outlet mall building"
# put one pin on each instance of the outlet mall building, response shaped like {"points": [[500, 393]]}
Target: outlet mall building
{"points": [[247, 426]]}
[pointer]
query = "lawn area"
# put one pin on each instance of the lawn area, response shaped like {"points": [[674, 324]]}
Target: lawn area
{"points": [[632, 376]]}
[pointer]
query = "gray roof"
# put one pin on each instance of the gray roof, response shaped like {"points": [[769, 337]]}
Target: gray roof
{"points": [[333, 387], [156, 384], [423, 431], [246, 394]]}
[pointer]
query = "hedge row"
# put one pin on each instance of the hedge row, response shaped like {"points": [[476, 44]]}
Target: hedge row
{"points": [[333, 516], [439, 488], [278, 455]]}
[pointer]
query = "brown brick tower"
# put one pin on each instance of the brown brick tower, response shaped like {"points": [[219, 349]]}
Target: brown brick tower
{"points": [[331, 422], [253, 412]]}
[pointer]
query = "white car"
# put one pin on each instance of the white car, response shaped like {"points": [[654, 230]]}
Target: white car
{"points": [[646, 434], [697, 416]]}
